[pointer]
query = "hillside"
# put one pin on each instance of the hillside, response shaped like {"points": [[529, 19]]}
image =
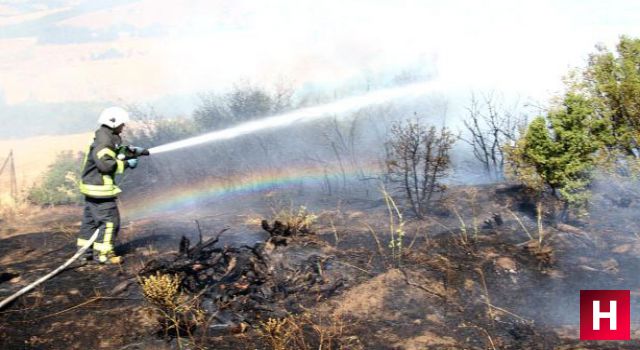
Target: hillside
{"points": [[34, 154]]}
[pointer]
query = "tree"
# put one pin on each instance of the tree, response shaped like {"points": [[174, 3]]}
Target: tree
{"points": [[212, 113], [613, 81], [247, 102], [417, 160], [598, 121], [558, 152], [60, 183], [491, 128], [243, 103]]}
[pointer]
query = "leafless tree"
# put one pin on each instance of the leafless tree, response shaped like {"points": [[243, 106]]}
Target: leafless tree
{"points": [[417, 160], [491, 127]]}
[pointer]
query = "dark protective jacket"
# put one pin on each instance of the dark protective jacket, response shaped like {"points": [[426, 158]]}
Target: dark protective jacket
{"points": [[101, 165]]}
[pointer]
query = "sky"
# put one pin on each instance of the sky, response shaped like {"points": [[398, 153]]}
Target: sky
{"points": [[73, 56]]}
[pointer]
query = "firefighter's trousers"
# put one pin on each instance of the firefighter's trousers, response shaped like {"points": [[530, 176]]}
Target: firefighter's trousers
{"points": [[102, 214]]}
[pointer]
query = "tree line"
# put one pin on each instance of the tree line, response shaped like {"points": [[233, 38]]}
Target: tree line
{"points": [[594, 125]]}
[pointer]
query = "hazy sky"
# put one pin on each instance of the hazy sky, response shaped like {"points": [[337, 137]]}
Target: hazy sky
{"points": [[75, 51]]}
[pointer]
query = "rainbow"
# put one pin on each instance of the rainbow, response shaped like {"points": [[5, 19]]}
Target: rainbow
{"points": [[209, 189]]}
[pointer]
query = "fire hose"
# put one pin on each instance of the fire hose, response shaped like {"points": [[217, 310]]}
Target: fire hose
{"points": [[52, 273]]}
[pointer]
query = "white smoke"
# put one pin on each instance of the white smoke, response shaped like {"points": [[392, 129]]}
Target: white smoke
{"points": [[306, 114]]}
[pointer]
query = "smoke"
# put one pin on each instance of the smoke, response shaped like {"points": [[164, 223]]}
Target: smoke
{"points": [[337, 150], [33, 118], [340, 107]]}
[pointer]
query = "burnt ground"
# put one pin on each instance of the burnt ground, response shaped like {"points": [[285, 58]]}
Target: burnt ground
{"points": [[455, 285]]}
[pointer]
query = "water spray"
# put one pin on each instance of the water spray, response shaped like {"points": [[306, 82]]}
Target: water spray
{"points": [[303, 115]]}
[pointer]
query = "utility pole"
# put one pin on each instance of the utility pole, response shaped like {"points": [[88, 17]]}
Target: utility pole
{"points": [[14, 182], [12, 176], [5, 162]]}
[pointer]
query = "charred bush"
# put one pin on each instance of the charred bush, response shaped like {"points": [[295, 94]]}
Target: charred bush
{"points": [[245, 285], [417, 160]]}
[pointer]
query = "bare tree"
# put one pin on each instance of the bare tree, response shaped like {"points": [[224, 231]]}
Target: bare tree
{"points": [[341, 139], [491, 127], [417, 160]]}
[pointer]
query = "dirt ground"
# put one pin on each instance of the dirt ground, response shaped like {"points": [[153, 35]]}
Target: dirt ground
{"points": [[457, 283]]}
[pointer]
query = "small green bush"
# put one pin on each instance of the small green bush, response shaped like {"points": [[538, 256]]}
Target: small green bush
{"points": [[60, 183]]}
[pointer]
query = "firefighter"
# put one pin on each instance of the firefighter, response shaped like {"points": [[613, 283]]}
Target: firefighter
{"points": [[100, 167]]}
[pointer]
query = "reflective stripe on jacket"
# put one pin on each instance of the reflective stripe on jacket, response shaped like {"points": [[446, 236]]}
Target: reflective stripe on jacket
{"points": [[100, 166]]}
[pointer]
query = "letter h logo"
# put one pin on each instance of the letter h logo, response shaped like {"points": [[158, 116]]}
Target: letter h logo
{"points": [[605, 315]]}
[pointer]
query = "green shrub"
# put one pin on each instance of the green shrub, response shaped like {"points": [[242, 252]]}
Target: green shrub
{"points": [[558, 151], [60, 183]]}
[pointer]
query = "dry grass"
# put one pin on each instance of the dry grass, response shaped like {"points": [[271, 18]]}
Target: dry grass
{"points": [[179, 314], [464, 236], [306, 332], [24, 217], [70, 232], [539, 227], [396, 227], [161, 290], [539, 212], [299, 218], [277, 333], [473, 203], [12, 210]]}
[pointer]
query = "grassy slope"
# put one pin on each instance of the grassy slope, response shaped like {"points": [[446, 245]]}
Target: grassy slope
{"points": [[34, 154]]}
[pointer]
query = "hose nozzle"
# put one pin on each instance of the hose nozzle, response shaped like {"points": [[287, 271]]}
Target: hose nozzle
{"points": [[128, 152]]}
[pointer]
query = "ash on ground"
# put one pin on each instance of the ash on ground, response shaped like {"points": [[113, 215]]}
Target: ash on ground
{"points": [[241, 286]]}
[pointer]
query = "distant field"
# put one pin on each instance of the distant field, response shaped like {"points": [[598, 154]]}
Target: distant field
{"points": [[34, 154]]}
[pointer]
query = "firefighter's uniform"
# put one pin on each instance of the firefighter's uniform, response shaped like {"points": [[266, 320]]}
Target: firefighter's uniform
{"points": [[100, 167]]}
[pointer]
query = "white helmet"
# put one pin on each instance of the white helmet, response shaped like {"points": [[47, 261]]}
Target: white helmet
{"points": [[113, 117]]}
